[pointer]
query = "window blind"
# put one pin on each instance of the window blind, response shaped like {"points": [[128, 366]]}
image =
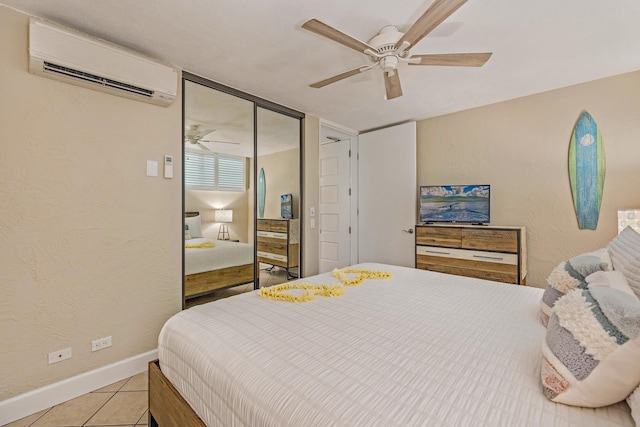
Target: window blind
{"points": [[206, 170]]}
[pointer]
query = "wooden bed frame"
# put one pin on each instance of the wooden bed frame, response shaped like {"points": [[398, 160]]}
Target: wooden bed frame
{"points": [[202, 283], [167, 408]]}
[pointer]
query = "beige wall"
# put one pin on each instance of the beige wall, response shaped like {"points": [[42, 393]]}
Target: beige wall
{"points": [[90, 246], [282, 176], [311, 194], [520, 147], [206, 201]]}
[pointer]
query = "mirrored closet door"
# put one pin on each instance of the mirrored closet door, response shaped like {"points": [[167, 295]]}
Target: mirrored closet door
{"points": [[242, 192], [278, 195]]}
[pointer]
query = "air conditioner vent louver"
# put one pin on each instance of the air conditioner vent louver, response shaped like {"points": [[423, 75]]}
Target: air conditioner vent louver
{"points": [[53, 68], [62, 54]]}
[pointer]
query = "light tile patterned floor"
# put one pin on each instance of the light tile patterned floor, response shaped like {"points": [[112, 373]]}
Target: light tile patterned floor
{"points": [[124, 404]]}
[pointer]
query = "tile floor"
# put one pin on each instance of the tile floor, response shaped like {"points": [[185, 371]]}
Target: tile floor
{"points": [[124, 404]]}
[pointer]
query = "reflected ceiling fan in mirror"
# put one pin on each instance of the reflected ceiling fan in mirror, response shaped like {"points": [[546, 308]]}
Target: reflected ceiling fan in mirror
{"points": [[390, 47], [194, 134]]}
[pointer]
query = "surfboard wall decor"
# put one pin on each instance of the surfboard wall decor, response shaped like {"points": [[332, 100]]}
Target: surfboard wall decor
{"points": [[586, 171], [262, 188]]}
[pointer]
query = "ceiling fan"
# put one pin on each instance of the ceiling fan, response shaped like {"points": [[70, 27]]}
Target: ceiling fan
{"points": [[194, 134], [390, 47]]}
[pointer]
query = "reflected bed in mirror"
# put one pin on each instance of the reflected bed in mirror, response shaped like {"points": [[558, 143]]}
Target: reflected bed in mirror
{"points": [[215, 264]]}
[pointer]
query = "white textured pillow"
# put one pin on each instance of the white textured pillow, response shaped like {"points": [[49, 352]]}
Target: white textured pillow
{"points": [[610, 279], [625, 256], [187, 234], [590, 354], [634, 403], [194, 226]]}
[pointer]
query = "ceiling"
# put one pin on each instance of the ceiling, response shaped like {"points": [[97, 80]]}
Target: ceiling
{"points": [[259, 47]]}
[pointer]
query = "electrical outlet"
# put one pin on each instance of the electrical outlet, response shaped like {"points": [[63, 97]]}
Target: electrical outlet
{"points": [[101, 343], [60, 355]]}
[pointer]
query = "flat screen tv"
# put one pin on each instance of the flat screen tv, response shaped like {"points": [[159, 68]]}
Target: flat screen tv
{"points": [[455, 203], [286, 206]]}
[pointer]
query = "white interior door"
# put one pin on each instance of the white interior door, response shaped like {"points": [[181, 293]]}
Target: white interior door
{"points": [[387, 195], [334, 208]]}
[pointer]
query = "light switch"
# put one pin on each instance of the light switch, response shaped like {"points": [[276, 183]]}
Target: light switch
{"points": [[312, 223], [152, 168], [312, 211]]}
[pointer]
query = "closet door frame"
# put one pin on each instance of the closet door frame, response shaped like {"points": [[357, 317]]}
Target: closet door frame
{"points": [[268, 105]]}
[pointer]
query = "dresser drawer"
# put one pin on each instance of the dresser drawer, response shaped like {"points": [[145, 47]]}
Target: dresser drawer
{"points": [[497, 276], [467, 254], [271, 235], [264, 224], [271, 258], [492, 240], [439, 236], [276, 248]]}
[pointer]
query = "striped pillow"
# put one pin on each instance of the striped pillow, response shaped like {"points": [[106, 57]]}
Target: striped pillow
{"points": [[570, 275], [625, 256], [590, 355]]}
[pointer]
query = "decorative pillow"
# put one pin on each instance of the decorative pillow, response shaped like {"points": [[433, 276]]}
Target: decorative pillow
{"points": [[590, 355], [625, 256], [194, 226], [187, 235], [609, 279], [634, 403], [570, 275]]}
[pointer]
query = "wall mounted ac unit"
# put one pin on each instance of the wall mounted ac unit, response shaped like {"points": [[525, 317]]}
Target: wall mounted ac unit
{"points": [[75, 58]]}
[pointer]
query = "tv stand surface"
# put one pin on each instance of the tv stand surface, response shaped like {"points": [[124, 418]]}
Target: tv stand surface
{"points": [[487, 252]]}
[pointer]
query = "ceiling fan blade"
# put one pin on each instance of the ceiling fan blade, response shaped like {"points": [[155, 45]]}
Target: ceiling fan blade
{"points": [[392, 85], [204, 147], [219, 142], [339, 77], [453, 59], [437, 12], [331, 33]]}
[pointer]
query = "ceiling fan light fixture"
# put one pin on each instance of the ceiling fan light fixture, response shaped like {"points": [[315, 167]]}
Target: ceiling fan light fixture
{"points": [[390, 47], [389, 64]]}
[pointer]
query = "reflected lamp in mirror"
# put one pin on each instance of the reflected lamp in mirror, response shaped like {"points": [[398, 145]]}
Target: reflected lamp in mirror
{"points": [[629, 218], [224, 216]]}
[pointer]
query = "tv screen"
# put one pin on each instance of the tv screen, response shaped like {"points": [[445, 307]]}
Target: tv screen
{"points": [[454, 203], [286, 206]]}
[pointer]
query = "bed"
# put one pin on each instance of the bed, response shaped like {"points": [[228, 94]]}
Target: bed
{"points": [[225, 264], [420, 348]]}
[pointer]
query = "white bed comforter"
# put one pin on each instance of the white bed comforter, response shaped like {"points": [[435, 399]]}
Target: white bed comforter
{"points": [[224, 254], [420, 349]]}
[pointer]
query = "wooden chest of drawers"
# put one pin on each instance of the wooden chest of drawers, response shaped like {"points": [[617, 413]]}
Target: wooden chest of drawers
{"points": [[493, 253], [278, 242]]}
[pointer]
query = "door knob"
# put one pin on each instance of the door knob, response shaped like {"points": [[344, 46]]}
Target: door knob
{"points": [[410, 231]]}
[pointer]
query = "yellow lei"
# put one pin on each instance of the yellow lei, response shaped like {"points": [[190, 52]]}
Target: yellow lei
{"points": [[199, 245], [279, 292], [361, 274]]}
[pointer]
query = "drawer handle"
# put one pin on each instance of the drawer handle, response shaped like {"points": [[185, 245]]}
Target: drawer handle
{"points": [[437, 252], [499, 258]]}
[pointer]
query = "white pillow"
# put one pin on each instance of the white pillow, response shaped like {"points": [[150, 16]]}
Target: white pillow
{"points": [[590, 354], [634, 403], [610, 279], [625, 256], [194, 226]]}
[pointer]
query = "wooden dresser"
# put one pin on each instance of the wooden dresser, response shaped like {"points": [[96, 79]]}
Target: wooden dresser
{"points": [[485, 252], [279, 242]]}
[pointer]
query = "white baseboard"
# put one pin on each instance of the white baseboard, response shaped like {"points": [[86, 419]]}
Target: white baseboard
{"points": [[45, 397]]}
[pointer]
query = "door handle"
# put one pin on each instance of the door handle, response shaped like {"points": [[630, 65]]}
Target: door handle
{"points": [[410, 231]]}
